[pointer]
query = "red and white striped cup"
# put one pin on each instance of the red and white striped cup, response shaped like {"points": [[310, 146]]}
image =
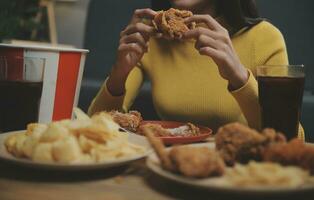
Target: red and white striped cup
{"points": [[63, 73]]}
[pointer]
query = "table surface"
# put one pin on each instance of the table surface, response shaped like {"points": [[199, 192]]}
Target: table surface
{"points": [[133, 181]]}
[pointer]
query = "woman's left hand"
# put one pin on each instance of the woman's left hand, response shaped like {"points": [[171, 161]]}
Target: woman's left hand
{"points": [[215, 42]]}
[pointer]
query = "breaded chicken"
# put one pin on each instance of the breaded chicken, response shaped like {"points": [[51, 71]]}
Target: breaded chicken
{"points": [[192, 129], [130, 121], [157, 129], [171, 23], [237, 142], [197, 162], [187, 129], [294, 153]]}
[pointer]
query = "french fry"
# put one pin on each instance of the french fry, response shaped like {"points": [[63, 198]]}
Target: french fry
{"points": [[79, 114]]}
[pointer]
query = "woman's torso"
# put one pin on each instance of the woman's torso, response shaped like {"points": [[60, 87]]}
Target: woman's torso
{"points": [[186, 86]]}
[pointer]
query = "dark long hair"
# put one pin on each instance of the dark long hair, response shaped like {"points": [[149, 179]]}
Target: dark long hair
{"points": [[237, 13]]}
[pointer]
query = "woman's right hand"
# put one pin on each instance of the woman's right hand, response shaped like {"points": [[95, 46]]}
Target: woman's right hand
{"points": [[132, 46]]}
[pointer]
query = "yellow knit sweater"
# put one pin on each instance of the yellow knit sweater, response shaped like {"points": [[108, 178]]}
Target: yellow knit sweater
{"points": [[186, 86]]}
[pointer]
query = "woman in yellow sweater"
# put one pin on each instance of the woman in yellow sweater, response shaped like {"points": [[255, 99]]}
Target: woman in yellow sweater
{"points": [[209, 77]]}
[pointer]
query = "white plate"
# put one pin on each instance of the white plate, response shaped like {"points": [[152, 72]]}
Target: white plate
{"points": [[133, 138], [216, 184]]}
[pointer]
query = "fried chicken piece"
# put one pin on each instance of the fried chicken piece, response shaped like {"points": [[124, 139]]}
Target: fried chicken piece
{"points": [[198, 162], [237, 142], [157, 130], [193, 130], [171, 23], [307, 158], [294, 153], [159, 148], [130, 121], [195, 162], [272, 136], [188, 129]]}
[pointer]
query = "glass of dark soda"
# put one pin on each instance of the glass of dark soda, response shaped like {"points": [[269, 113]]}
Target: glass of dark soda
{"points": [[280, 91], [21, 82]]}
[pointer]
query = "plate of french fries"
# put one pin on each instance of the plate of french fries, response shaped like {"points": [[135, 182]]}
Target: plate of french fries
{"points": [[83, 143]]}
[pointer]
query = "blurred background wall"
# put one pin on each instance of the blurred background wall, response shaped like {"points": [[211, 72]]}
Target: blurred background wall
{"points": [[71, 20], [96, 24]]}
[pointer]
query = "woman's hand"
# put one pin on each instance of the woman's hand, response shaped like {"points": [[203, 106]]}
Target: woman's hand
{"points": [[215, 42], [132, 46]]}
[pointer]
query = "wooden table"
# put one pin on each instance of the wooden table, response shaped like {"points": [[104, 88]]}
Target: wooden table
{"points": [[133, 181], [128, 182]]}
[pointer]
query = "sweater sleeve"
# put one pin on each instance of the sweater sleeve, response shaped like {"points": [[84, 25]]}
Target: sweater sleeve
{"points": [[105, 101], [268, 49], [247, 98]]}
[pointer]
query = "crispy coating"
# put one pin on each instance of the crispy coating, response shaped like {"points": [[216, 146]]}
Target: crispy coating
{"points": [[130, 121], [237, 142], [197, 162], [171, 23], [187, 129], [294, 153], [272, 136], [159, 148], [156, 129], [193, 130]]}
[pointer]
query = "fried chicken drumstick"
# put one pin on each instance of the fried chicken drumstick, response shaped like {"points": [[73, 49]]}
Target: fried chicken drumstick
{"points": [[197, 162]]}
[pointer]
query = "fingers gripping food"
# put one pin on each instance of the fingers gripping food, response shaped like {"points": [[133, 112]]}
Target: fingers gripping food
{"points": [[171, 23], [82, 140]]}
